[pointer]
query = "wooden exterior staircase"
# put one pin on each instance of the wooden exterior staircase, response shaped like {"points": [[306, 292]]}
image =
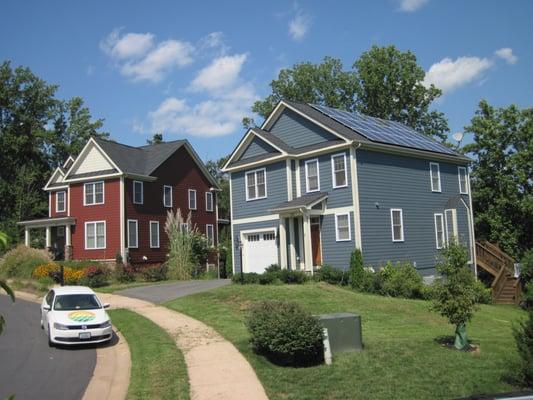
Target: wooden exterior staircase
{"points": [[505, 287]]}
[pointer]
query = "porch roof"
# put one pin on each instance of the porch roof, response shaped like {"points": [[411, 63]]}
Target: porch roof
{"points": [[44, 222], [305, 201]]}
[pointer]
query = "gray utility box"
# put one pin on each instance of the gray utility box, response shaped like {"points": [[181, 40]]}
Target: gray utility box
{"points": [[344, 331]]}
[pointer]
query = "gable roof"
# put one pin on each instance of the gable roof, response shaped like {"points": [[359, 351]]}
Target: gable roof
{"points": [[305, 201]]}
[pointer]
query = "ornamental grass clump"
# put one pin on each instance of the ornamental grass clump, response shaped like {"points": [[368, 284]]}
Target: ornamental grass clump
{"points": [[21, 261], [180, 246], [285, 333]]}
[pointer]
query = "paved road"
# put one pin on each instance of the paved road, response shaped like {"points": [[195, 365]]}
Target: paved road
{"points": [[169, 291], [29, 368]]}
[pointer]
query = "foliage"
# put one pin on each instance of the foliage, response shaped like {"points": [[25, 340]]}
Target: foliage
{"points": [[526, 267], [80, 264], [200, 251], [39, 131], [384, 82], [215, 169], [248, 278], [524, 342], [180, 253], [124, 273], [4, 240], [400, 280], [156, 139], [154, 273], [333, 276], [73, 276], [95, 276], [45, 270], [285, 332], [21, 260], [292, 277], [502, 188], [483, 293], [356, 269]]}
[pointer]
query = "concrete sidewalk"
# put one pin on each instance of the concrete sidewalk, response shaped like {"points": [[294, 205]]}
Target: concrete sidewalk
{"points": [[216, 368]]}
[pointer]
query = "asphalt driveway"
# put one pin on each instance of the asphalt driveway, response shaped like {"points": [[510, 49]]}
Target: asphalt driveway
{"points": [[168, 291], [29, 369]]}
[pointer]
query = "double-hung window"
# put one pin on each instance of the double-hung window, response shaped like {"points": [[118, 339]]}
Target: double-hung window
{"points": [[133, 234], [60, 201], [338, 168], [210, 234], [463, 179], [93, 193], [343, 230], [208, 201], [256, 184], [95, 235], [396, 220], [312, 176], [138, 195], [439, 231], [154, 234], [192, 199], [434, 170], [167, 196]]}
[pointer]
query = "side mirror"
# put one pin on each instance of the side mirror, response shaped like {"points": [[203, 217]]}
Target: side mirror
{"points": [[106, 305], [46, 307]]}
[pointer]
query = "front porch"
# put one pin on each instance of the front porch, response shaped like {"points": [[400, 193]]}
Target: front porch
{"points": [[58, 234]]}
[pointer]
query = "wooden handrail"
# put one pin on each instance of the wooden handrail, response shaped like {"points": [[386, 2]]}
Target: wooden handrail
{"points": [[494, 257]]}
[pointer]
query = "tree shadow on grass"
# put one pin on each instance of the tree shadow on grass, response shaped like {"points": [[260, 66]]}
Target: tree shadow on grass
{"points": [[290, 361]]}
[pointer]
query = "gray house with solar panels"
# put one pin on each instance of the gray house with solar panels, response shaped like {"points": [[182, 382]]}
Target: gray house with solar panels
{"points": [[314, 183]]}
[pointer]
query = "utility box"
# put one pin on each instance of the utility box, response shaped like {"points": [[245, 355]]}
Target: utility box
{"points": [[344, 332]]}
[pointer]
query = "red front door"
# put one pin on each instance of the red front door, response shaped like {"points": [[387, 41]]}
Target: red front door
{"points": [[316, 247]]}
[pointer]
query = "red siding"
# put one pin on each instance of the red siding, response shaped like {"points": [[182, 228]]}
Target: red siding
{"points": [[109, 212], [181, 172], [53, 212]]}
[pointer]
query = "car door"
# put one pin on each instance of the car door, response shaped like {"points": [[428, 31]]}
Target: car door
{"points": [[48, 300]]}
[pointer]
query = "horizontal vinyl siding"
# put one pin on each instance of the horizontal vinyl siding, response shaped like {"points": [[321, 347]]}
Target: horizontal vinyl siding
{"points": [[390, 181], [257, 147], [297, 131], [236, 232], [336, 254]]}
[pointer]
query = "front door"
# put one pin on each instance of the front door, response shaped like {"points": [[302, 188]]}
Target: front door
{"points": [[316, 247]]}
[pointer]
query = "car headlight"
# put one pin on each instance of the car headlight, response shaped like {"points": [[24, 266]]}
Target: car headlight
{"points": [[105, 324], [59, 326]]}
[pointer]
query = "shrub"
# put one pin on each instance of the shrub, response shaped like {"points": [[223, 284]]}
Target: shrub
{"points": [[526, 267], [95, 276], [334, 276], [44, 270], [80, 264], [229, 263], [21, 261], [402, 280], [357, 270], [285, 332], [268, 278], [248, 278], [292, 277], [154, 273], [124, 273], [273, 268], [524, 342], [43, 284], [72, 276], [369, 281], [483, 294]]}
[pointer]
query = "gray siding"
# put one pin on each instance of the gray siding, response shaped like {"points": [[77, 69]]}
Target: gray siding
{"points": [[297, 131], [276, 182], [236, 232], [257, 147], [339, 197], [390, 181], [336, 254]]}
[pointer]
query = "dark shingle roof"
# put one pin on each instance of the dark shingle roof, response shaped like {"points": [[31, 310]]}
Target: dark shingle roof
{"points": [[91, 174], [303, 201], [275, 140]]}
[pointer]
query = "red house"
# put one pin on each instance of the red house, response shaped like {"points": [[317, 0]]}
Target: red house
{"points": [[114, 198]]}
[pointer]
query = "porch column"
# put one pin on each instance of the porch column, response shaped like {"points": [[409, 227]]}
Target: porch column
{"points": [[282, 243], [48, 238], [292, 244], [307, 243], [68, 242], [27, 239], [301, 243]]}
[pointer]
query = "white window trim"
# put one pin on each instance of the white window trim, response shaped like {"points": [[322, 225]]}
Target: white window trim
{"points": [[195, 199], [136, 233], [459, 169], [439, 189], [317, 175], [207, 195], [94, 193], [212, 241], [435, 216], [171, 196], [152, 223], [246, 184], [392, 210], [142, 192], [333, 176], [64, 201], [337, 227], [95, 235]]}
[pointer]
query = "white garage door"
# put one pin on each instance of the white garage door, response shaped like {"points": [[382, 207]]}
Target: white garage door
{"points": [[261, 251]]}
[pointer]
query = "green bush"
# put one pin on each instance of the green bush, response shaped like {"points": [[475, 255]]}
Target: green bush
{"points": [[95, 276], [334, 276], [357, 270], [526, 267], [154, 273], [292, 277], [124, 273], [286, 333], [273, 268], [402, 280], [21, 261], [483, 294], [369, 281], [524, 342], [248, 278], [81, 264], [268, 278]]}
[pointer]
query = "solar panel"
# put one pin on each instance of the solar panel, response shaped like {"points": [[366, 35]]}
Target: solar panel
{"points": [[383, 131]]}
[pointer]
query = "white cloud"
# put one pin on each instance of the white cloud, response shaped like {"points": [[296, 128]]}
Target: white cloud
{"points": [[130, 45], [506, 54], [449, 74], [299, 25], [411, 5], [223, 72]]}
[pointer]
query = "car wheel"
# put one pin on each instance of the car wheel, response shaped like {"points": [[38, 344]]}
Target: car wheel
{"points": [[50, 343]]}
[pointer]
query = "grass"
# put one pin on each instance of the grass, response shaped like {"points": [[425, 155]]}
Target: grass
{"points": [[158, 369], [401, 360]]}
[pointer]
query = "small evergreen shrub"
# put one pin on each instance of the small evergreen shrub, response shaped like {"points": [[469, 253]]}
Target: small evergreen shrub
{"points": [[268, 278], [21, 261], [286, 333], [369, 281], [155, 273], [292, 277], [357, 270], [333, 276], [248, 278], [95, 276], [402, 280]]}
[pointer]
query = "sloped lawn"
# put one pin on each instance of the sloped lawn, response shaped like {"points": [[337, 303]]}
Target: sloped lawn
{"points": [[401, 360]]}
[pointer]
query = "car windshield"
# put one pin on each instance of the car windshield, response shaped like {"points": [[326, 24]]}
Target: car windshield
{"points": [[68, 302]]}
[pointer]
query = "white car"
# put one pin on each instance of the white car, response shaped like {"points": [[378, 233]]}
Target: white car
{"points": [[73, 315]]}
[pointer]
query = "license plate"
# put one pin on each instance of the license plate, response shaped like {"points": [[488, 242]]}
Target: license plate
{"points": [[85, 335]]}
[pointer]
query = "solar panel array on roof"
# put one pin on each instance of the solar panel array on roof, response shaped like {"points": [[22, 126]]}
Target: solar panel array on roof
{"points": [[379, 130]]}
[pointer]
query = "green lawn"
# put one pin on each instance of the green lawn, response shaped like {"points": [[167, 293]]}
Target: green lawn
{"points": [[158, 370], [401, 359]]}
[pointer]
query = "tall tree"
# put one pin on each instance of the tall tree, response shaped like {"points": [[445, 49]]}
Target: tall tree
{"points": [[215, 169], [156, 139], [384, 83], [502, 176]]}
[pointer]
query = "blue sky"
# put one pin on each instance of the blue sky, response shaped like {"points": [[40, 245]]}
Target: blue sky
{"points": [[193, 69]]}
